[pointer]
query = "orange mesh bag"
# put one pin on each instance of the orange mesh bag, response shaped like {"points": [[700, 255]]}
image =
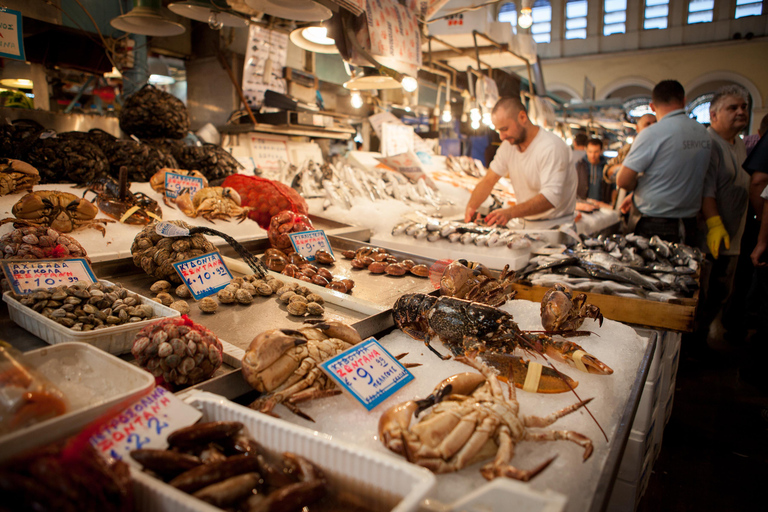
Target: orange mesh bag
{"points": [[287, 222], [266, 197]]}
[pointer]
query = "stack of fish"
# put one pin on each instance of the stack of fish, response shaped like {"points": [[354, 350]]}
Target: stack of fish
{"points": [[630, 265], [465, 165], [339, 184], [433, 229]]}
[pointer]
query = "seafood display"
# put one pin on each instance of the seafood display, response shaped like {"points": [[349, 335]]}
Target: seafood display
{"points": [[153, 113], [294, 265], [139, 160], [86, 306], [17, 137], [470, 420], [562, 312], [464, 165], [155, 254], [283, 363], [283, 223], [433, 229], [16, 176], [67, 158], [475, 282], [212, 161], [213, 203], [630, 265], [177, 350], [339, 184], [68, 476], [378, 261], [219, 463], [265, 198], [39, 242], [116, 200], [467, 327], [61, 211]]}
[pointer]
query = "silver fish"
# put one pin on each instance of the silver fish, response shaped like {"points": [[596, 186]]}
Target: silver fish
{"points": [[447, 229], [400, 228], [454, 237], [421, 233], [482, 240], [468, 238], [433, 236], [411, 230]]}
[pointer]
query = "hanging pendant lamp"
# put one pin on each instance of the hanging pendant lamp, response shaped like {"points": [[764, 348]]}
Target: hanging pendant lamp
{"points": [[145, 19], [209, 12]]}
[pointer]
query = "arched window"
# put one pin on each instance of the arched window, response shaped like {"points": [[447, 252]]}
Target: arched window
{"points": [[576, 19], [656, 13], [700, 11], [615, 17], [698, 109], [542, 21], [748, 8], [638, 107], [508, 13]]}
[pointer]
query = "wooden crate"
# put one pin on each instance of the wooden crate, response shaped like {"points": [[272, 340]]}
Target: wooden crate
{"points": [[671, 316]]}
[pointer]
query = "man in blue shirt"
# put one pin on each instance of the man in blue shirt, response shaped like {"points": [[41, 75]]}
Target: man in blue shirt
{"points": [[665, 168], [590, 172]]}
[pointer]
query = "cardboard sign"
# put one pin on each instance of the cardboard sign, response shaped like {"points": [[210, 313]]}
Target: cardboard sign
{"points": [[145, 423], [11, 40], [307, 243], [368, 372], [204, 275], [176, 184], [26, 276]]}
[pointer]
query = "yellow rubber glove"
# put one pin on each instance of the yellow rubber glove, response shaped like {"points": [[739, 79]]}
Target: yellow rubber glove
{"points": [[717, 234]]}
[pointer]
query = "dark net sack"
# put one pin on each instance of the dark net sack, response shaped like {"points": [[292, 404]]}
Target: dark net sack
{"points": [[152, 113]]}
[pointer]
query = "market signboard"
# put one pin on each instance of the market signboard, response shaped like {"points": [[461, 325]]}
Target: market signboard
{"points": [[307, 243], [204, 275], [11, 40], [26, 276], [176, 184]]}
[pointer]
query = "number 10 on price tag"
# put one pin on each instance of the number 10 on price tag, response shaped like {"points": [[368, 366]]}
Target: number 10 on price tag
{"points": [[307, 243], [368, 372]]}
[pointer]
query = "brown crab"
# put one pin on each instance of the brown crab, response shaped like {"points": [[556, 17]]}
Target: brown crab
{"points": [[213, 203], [562, 312], [16, 175], [474, 281], [61, 211]]}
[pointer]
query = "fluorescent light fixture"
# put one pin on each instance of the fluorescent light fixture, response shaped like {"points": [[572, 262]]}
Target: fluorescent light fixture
{"points": [[356, 99], [145, 19], [161, 80], [525, 20], [314, 39], [409, 83], [18, 83], [207, 12], [371, 79], [115, 73]]}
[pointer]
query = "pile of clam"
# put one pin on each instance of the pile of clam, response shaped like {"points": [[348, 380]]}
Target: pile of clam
{"points": [[378, 261], [294, 265], [87, 307], [300, 300]]}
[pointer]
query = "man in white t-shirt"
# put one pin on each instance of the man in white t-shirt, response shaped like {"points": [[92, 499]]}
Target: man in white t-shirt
{"points": [[537, 163]]}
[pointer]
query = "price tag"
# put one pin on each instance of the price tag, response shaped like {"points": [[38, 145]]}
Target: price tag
{"points": [[145, 423], [204, 275], [12, 42], [26, 276], [168, 229], [176, 184], [368, 372], [307, 243]]}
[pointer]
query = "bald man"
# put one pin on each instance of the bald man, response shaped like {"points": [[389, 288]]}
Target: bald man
{"points": [[537, 163]]}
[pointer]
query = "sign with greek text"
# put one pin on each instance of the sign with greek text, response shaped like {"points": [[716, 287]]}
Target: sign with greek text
{"points": [[368, 372], [204, 275], [11, 40], [146, 423], [269, 154], [307, 243], [26, 276], [177, 184]]}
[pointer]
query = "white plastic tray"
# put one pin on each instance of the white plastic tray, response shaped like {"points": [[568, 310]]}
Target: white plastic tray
{"points": [[382, 479], [93, 382], [115, 340]]}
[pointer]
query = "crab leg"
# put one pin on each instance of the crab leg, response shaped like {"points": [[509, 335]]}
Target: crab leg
{"points": [[523, 374], [501, 467], [562, 435], [538, 421]]}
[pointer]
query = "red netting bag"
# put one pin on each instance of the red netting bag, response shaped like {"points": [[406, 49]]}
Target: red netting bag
{"points": [[287, 222], [266, 197]]}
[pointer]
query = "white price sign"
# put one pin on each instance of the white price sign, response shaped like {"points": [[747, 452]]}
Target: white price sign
{"points": [[26, 276], [307, 243]]}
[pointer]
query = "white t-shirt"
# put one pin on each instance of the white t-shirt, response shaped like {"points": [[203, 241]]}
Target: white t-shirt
{"points": [[764, 193], [543, 168]]}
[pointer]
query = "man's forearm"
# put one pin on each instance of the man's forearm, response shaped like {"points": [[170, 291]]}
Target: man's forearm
{"points": [[756, 187], [709, 207], [626, 178], [534, 206]]}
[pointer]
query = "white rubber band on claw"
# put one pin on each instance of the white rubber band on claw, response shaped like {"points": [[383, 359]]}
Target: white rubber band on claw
{"points": [[128, 213], [533, 377], [154, 216], [578, 363]]}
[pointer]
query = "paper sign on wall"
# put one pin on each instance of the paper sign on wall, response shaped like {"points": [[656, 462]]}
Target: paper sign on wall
{"points": [[11, 40], [146, 423], [307, 243], [269, 154], [204, 275], [368, 372], [175, 184], [26, 276]]}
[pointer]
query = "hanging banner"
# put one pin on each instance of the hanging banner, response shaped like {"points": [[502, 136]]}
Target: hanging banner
{"points": [[11, 41]]}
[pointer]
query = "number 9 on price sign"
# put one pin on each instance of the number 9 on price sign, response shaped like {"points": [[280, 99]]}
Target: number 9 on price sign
{"points": [[307, 243]]}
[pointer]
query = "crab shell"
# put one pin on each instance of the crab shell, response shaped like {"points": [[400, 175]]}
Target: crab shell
{"points": [[16, 175], [62, 211]]}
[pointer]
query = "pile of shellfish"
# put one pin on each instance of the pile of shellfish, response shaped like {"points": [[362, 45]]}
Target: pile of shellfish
{"points": [[294, 265], [88, 306], [378, 261]]}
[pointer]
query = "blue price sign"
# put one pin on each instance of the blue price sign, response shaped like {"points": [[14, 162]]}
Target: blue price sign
{"points": [[11, 40], [26, 276], [176, 184], [368, 372], [204, 275], [307, 243]]}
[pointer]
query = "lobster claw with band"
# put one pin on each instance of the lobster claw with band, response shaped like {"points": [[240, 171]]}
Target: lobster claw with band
{"points": [[465, 326]]}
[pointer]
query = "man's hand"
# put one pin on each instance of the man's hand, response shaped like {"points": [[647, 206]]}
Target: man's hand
{"points": [[500, 217], [626, 204], [757, 253], [469, 214], [716, 235]]}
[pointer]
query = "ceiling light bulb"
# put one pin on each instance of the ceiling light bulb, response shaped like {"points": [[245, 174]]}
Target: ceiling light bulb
{"points": [[214, 22], [487, 118], [474, 114], [475, 125], [630, 140], [356, 100], [318, 35], [569, 141], [161, 80], [447, 116], [409, 84], [525, 20]]}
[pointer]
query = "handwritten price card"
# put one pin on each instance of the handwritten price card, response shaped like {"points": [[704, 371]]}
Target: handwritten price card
{"points": [[26, 276], [307, 243], [144, 424], [269, 154], [368, 372], [176, 184], [204, 275]]}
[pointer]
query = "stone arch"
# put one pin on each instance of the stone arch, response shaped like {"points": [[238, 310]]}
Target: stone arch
{"points": [[565, 88], [626, 81], [727, 76]]}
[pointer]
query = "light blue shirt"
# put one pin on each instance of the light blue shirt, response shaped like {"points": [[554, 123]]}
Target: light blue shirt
{"points": [[671, 158]]}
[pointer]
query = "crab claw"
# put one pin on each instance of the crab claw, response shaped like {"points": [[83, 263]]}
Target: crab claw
{"points": [[575, 356], [529, 375]]}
